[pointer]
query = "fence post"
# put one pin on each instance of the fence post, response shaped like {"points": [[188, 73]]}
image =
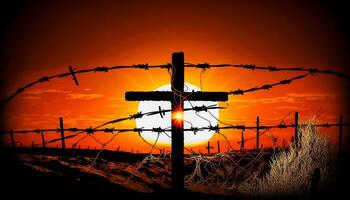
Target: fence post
{"points": [[209, 147], [257, 132], [340, 143], [12, 139], [242, 141], [218, 146], [43, 139], [296, 124], [62, 133]]}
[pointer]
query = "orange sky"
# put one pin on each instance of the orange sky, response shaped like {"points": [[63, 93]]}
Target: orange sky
{"points": [[44, 38]]}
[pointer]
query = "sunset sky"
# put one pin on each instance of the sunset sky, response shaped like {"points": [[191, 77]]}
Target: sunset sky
{"points": [[45, 37]]}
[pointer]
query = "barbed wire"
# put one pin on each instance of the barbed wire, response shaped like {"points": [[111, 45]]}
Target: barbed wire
{"points": [[267, 86], [156, 130], [312, 71], [73, 74], [91, 131], [167, 66], [161, 112]]}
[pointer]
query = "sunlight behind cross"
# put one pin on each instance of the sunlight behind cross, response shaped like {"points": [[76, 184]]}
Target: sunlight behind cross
{"points": [[190, 118]]}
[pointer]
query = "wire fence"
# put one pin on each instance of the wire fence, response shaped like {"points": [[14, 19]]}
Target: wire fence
{"points": [[89, 132], [204, 66], [73, 74]]}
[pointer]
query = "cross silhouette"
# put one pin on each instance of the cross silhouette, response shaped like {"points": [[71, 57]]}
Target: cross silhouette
{"points": [[177, 96]]}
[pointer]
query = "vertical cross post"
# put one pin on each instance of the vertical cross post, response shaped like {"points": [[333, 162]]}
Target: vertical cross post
{"points": [[62, 133], [177, 135], [340, 142], [296, 124], [218, 146], [257, 132], [43, 139], [12, 139]]}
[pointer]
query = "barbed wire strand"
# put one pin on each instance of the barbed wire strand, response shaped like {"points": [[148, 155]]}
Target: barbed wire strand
{"points": [[205, 66]]}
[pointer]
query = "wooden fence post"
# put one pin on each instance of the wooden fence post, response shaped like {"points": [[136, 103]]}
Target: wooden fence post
{"points": [[242, 141], [62, 133], [257, 132], [12, 139], [43, 139], [296, 124], [340, 142], [209, 147], [218, 146]]}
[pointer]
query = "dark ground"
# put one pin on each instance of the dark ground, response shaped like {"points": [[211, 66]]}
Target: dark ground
{"points": [[19, 180]]}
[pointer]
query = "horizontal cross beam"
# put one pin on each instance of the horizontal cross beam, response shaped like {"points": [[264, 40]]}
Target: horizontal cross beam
{"points": [[169, 96]]}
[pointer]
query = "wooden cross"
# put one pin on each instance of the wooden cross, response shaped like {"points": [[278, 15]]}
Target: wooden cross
{"points": [[209, 147], [176, 97]]}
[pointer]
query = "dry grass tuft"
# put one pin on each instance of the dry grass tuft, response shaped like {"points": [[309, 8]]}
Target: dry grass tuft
{"points": [[292, 171]]}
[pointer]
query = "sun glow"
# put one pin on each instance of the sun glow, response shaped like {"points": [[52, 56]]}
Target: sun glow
{"points": [[188, 118], [178, 116]]}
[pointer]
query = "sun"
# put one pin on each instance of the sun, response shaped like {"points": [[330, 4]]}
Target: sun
{"points": [[178, 116], [190, 119]]}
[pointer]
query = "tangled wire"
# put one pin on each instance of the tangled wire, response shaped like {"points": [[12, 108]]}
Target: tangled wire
{"points": [[227, 170]]}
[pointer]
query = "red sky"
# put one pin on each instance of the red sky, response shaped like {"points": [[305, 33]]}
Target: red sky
{"points": [[45, 37]]}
